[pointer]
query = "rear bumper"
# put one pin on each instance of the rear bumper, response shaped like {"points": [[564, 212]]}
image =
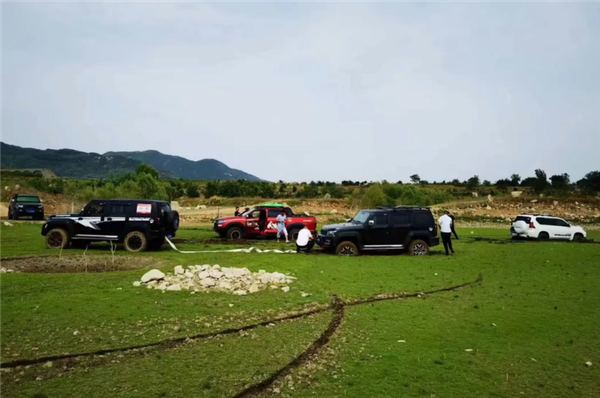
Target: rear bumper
{"points": [[434, 241]]}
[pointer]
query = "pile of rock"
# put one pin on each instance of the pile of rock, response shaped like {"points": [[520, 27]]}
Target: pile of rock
{"points": [[205, 278]]}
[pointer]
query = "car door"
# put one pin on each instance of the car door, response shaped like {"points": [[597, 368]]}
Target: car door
{"points": [[115, 219], [252, 222], [88, 224], [400, 228], [272, 220], [377, 231], [561, 229]]}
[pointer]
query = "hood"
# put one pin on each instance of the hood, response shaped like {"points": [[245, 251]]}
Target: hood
{"points": [[233, 218], [338, 226], [64, 215]]}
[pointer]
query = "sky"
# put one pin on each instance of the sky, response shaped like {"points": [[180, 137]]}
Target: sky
{"points": [[312, 91]]}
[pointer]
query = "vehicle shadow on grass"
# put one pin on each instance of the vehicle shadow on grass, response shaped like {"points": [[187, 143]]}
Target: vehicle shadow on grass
{"points": [[509, 241]]}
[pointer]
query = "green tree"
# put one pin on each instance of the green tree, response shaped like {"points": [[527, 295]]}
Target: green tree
{"points": [[541, 181], [148, 186], [473, 182], [192, 190], [147, 169], [374, 196], [515, 179], [560, 182], [590, 183], [415, 179]]}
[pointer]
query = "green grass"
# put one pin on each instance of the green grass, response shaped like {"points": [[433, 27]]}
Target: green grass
{"points": [[542, 297]]}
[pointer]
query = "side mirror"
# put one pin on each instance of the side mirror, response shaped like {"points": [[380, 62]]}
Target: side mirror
{"points": [[371, 223], [349, 220]]}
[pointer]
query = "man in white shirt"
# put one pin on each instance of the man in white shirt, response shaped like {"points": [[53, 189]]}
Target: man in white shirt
{"points": [[445, 223], [305, 240], [281, 219]]}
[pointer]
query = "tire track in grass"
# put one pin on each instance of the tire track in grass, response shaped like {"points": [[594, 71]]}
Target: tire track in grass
{"points": [[337, 306]]}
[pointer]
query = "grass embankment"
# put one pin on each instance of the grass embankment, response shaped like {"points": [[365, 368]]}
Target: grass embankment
{"points": [[532, 323]]}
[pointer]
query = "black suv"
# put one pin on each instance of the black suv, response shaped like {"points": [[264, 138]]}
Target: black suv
{"points": [[139, 224], [25, 206], [397, 228]]}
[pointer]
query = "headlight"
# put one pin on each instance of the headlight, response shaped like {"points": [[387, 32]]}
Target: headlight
{"points": [[220, 222], [20, 206], [331, 233], [40, 206]]}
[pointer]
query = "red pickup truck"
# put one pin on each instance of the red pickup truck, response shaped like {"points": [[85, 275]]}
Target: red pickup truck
{"points": [[262, 221]]}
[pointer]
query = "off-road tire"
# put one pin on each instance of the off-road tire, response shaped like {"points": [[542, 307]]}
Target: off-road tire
{"points": [[135, 242], [57, 238], [578, 237], [418, 247], [173, 220], [543, 236], [234, 233], [80, 244], [293, 234], [346, 249]]}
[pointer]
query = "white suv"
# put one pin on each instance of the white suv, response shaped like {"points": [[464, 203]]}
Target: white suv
{"points": [[544, 227]]}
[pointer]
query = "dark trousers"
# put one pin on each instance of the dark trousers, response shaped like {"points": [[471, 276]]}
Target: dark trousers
{"points": [[447, 240], [454, 232], [307, 248]]}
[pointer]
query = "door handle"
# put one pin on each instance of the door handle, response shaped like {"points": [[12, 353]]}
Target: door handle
{"points": [[80, 218], [109, 218]]}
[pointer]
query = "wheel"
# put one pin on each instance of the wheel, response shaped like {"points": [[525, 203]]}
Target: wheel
{"points": [[543, 236], [418, 248], [346, 249], [293, 234], [9, 214], [80, 244], [235, 233], [57, 238], [173, 220], [135, 242], [578, 238]]}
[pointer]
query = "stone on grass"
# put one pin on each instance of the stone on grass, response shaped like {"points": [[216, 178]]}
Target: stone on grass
{"points": [[178, 270], [203, 274], [137, 283], [174, 288], [153, 275], [285, 289], [6, 223], [240, 292], [253, 289], [189, 275], [588, 364], [208, 282]]}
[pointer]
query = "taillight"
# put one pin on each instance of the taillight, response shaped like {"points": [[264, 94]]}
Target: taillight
{"points": [[158, 221], [531, 225]]}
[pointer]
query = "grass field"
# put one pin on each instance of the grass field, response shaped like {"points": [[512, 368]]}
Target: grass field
{"points": [[530, 326]]}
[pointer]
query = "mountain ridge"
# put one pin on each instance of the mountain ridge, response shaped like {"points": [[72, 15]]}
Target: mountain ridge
{"points": [[70, 163]]}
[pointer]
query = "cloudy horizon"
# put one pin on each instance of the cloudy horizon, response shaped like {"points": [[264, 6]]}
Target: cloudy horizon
{"points": [[300, 92]]}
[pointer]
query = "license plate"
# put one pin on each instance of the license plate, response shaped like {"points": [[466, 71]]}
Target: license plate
{"points": [[30, 211]]}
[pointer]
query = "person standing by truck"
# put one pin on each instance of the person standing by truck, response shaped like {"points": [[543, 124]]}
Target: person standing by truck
{"points": [[452, 226], [281, 219], [445, 223]]}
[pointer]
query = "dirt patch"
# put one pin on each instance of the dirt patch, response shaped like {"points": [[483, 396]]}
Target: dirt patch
{"points": [[78, 264]]}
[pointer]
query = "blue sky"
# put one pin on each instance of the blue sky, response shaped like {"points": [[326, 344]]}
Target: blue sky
{"points": [[315, 91]]}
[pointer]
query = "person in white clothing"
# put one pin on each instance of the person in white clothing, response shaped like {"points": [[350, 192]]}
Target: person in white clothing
{"points": [[445, 223], [305, 240]]}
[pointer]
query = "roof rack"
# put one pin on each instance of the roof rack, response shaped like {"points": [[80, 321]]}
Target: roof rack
{"points": [[403, 208]]}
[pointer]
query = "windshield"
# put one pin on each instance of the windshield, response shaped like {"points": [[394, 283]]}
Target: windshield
{"points": [[245, 213], [361, 217], [28, 199]]}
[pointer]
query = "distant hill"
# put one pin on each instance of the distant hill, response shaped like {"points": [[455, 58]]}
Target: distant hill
{"points": [[205, 169], [68, 163]]}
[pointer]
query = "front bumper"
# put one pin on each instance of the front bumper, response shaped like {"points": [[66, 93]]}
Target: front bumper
{"points": [[325, 241]]}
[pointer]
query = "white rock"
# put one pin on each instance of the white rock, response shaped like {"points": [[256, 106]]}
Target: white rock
{"points": [[203, 274], [216, 274], [401, 341], [588, 364], [174, 288], [153, 275], [230, 305], [306, 294], [468, 349], [285, 289], [178, 270], [8, 224], [222, 284], [137, 283], [253, 289], [262, 271], [216, 266], [208, 282], [240, 292], [188, 275], [75, 333]]}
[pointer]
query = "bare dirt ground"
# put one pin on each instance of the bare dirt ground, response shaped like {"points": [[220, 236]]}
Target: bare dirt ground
{"points": [[77, 264]]}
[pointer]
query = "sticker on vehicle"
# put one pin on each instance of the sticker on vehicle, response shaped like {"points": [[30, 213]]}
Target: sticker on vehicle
{"points": [[144, 208]]}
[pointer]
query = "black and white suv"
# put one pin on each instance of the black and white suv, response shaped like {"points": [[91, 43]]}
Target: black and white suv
{"points": [[543, 227], [398, 228], [138, 224]]}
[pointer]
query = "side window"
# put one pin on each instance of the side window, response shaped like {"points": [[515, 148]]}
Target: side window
{"points": [[120, 210], [400, 219], [544, 221], [164, 209], [423, 220], [94, 209], [273, 213], [254, 214], [380, 219], [561, 223]]}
